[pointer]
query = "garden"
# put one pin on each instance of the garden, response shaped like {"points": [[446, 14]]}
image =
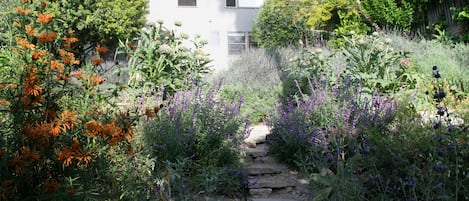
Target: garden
{"points": [[99, 105]]}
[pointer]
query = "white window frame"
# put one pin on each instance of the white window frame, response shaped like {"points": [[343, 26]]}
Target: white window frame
{"points": [[247, 43]]}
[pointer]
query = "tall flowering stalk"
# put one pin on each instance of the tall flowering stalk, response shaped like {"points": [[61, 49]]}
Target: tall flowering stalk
{"points": [[197, 127], [53, 125]]}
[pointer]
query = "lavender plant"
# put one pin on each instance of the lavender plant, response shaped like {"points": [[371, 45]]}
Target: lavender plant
{"points": [[420, 162], [197, 127]]}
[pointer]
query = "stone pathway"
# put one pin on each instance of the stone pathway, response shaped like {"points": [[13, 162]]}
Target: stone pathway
{"points": [[269, 180]]}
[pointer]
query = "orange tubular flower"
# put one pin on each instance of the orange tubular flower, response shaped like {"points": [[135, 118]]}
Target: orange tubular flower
{"points": [[68, 57], [51, 186], [23, 43], [44, 18], [149, 113], [78, 74], [69, 41], [4, 102], [96, 80], [101, 50], [47, 37], [30, 30], [55, 64], [97, 61], [74, 152], [37, 54], [22, 11], [69, 119]]}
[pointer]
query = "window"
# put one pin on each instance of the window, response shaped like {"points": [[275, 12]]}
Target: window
{"points": [[187, 2], [230, 3], [238, 42], [244, 3]]}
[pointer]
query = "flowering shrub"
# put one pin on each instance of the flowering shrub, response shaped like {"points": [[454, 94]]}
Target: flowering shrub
{"points": [[196, 137], [161, 57], [57, 138], [372, 62]]}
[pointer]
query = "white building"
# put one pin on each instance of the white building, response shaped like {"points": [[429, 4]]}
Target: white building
{"points": [[225, 24]]}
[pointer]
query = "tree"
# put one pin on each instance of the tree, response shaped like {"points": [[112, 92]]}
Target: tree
{"points": [[279, 24], [391, 13], [97, 22]]}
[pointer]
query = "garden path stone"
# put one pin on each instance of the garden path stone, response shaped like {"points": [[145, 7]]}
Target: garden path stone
{"points": [[267, 179]]}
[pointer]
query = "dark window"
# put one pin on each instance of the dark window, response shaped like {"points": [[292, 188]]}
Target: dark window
{"points": [[230, 3], [187, 2]]}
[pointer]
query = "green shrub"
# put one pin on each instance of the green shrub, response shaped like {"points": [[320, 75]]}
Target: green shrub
{"points": [[162, 57], [279, 25], [61, 136], [256, 77]]}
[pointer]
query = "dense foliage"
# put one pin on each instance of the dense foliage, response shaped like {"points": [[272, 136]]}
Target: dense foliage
{"points": [[278, 24], [159, 56], [94, 22], [282, 22], [195, 143]]}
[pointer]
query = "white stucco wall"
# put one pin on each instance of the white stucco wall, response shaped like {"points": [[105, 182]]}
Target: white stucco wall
{"points": [[210, 19]]}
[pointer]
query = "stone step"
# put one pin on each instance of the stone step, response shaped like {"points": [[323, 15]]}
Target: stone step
{"points": [[265, 168], [258, 134], [272, 181], [258, 151]]}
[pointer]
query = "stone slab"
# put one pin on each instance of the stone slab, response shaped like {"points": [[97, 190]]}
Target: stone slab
{"points": [[258, 151], [275, 181], [258, 134], [260, 192], [265, 168]]}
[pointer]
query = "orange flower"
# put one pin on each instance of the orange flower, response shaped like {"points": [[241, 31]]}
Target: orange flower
{"points": [[51, 186], [68, 57], [43, 4], [71, 192], [78, 74], [69, 41], [47, 37], [23, 43], [54, 128], [149, 113], [96, 80], [37, 54], [74, 152], [22, 11], [69, 119], [97, 61], [4, 102], [44, 18], [132, 46], [30, 30], [30, 155], [101, 50], [32, 85], [55, 64], [94, 128]]}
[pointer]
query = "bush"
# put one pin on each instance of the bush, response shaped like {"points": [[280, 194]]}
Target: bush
{"points": [[194, 140], [277, 25], [162, 57], [256, 77], [60, 135]]}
